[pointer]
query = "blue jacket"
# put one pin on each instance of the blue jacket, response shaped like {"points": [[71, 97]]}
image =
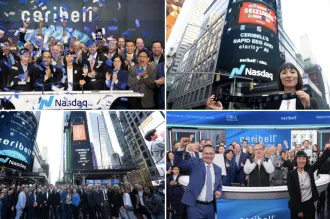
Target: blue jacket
{"points": [[76, 199], [240, 175], [197, 172], [63, 195], [231, 173], [4, 204], [122, 76]]}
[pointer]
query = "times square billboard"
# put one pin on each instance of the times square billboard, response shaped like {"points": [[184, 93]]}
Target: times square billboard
{"points": [[80, 143], [18, 132], [250, 46]]}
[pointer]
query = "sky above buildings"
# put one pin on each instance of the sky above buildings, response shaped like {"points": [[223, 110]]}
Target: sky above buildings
{"points": [[312, 18]]}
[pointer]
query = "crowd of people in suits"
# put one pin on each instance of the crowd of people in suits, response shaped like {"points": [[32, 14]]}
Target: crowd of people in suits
{"points": [[92, 201], [98, 64], [246, 164]]}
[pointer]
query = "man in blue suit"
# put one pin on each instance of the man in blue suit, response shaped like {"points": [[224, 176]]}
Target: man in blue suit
{"points": [[240, 159], [205, 183]]}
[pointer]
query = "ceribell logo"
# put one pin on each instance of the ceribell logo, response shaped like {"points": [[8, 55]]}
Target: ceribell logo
{"points": [[260, 217], [250, 72], [60, 103], [231, 118]]}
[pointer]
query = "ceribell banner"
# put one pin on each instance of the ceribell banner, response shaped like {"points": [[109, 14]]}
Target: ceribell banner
{"points": [[79, 133]]}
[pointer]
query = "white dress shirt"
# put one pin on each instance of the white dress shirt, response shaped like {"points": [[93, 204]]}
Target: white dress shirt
{"points": [[288, 104], [141, 198], [127, 200], [249, 167], [305, 186], [70, 78], [202, 195]]}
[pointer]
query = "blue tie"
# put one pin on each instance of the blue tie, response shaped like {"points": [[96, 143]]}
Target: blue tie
{"points": [[209, 193]]}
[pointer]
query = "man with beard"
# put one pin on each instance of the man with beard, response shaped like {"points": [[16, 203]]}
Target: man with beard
{"points": [[157, 56]]}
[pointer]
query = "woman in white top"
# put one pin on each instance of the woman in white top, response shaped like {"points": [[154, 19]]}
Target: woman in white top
{"points": [[301, 186], [128, 202]]}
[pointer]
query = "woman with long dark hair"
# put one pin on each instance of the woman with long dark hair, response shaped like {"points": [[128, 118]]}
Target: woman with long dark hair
{"points": [[301, 186], [169, 161], [231, 169], [116, 201], [289, 81], [154, 203], [75, 204]]}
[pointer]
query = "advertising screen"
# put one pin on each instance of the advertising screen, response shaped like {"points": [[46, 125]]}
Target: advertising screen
{"points": [[269, 136], [79, 133], [81, 146], [155, 146], [17, 138], [118, 18], [258, 14], [173, 9], [249, 45]]}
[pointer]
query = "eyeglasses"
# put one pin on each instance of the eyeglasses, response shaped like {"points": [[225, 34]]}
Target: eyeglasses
{"points": [[143, 57]]}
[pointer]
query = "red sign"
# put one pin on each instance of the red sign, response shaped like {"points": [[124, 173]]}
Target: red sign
{"points": [[258, 14], [79, 133]]}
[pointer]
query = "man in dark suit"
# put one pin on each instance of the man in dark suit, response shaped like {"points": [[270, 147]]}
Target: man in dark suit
{"points": [[160, 83], [19, 74], [190, 152], [44, 76], [129, 56], [205, 184], [45, 203], [7, 59], [157, 56], [55, 201], [92, 202], [112, 49], [141, 79], [100, 203], [240, 159], [84, 202]]}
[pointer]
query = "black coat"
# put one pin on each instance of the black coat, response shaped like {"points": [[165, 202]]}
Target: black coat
{"points": [[54, 199], [38, 75], [13, 79], [299, 105], [100, 68], [92, 197], [77, 76], [84, 200], [294, 184]]}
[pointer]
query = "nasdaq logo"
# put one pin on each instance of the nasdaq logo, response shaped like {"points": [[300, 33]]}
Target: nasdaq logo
{"points": [[46, 103], [4, 160], [237, 71]]}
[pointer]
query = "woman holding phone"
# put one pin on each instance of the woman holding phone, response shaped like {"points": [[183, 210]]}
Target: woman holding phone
{"points": [[301, 186]]}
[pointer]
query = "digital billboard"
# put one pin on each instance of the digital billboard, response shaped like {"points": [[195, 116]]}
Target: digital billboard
{"points": [[173, 9], [249, 45], [118, 18], [79, 133], [155, 146], [18, 132], [81, 146]]}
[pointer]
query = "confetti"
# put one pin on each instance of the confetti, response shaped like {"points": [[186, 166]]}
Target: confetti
{"points": [[39, 84], [127, 33], [3, 3], [109, 83], [63, 79], [123, 86], [139, 71], [124, 99], [64, 8], [98, 101], [5, 89], [115, 19], [112, 28], [119, 6], [6, 14], [87, 29], [44, 8], [137, 23], [109, 63], [12, 13], [21, 76], [40, 99]]}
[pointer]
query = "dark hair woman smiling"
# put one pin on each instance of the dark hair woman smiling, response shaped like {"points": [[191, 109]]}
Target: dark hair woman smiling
{"points": [[301, 186], [289, 81]]}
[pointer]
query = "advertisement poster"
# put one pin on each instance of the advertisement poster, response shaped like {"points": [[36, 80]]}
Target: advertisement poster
{"points": [[173, 8], [156, 145]]}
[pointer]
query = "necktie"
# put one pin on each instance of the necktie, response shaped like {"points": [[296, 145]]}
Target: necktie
{"points": [[192, 154], [92, 63], [9, 61], [209, 196], [105, 195]]}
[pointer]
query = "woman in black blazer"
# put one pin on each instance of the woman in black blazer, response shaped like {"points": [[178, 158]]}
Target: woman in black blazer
{"points": [[289, 81], [300, 181], [79, 76]]}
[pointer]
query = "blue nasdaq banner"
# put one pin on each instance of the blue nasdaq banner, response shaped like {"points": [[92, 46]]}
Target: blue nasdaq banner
{"points": [[270, 136], [205, 118], [262, 209], [17, 138], [103, 182]]}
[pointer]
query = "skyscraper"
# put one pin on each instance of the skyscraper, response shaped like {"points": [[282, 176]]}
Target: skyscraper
{"points": [[130, 122], [101, 140], [126, 158]]}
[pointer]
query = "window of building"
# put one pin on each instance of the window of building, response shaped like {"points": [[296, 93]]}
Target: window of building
{"points": [[201, 94], [196, 95]]}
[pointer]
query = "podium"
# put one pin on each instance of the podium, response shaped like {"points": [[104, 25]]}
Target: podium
{"points": [[100, 100]]}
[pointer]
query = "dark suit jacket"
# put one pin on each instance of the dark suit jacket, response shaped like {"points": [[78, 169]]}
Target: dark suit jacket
{"points": [[15, 70], [54, 199], [77, 76], [5, 70], [160, 97], [122, 76], [161, 59], [134, 60], [240, 174], [187, 155], [92, 198], [100, 67], [174, 193], [197, 172], [294, 184], [299, 105], [38, 75], [84, 200], [144, 85]]}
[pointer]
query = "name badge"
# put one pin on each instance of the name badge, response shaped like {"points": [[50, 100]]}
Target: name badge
{"points": [[93, 80]]}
